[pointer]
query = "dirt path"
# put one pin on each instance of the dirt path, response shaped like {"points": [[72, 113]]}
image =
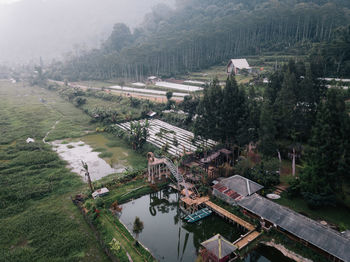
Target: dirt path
{"points": [[48, 132]]}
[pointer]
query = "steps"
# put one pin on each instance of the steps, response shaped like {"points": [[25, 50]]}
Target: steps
{"points": [[179, 178], [279, 189]]}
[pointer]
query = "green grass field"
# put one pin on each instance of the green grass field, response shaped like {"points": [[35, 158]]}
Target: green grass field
{"points": [[38, 221], [338, 215]]}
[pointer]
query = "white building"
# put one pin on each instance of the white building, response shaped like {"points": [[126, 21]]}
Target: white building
{"points": [[237, 65]]}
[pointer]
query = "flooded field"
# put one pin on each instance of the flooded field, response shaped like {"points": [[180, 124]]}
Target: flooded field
{"points": [[104, 156]]}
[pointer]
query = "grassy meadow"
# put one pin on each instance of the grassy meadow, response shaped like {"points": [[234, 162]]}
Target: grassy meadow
{"points": [[38, 221]]}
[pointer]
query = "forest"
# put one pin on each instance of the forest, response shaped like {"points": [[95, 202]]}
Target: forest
{"points": [[198, 34], [297, 118]]}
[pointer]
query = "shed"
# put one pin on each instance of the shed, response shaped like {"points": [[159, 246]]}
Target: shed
{"points": [[217, 249], [100, 192], [237, 65]]}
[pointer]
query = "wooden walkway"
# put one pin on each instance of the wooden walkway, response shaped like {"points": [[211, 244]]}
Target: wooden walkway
{"points": [[223, 212], [242, 242]]}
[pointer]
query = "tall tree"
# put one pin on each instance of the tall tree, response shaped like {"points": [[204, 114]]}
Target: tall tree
{"points": [[208, 122], [267, 131], [285, 105], [329, 158], [234, 111]]}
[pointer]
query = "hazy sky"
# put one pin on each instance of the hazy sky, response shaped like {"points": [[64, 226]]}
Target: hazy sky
{"points": [[30, 29], [8, 1]]}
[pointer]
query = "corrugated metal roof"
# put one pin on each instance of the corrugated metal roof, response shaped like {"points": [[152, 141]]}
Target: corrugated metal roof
{"points": [[307, 229], [241, 185]]}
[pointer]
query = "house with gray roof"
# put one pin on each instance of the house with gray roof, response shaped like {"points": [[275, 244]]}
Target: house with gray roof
{"points": [[327, 241], [235, 188]]}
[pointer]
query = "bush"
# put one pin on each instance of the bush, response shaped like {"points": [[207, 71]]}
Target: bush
{"points": [[99, 203], [105, 154]]}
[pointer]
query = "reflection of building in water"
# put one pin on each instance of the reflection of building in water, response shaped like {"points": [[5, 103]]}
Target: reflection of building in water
{"points": [[161, 201]]}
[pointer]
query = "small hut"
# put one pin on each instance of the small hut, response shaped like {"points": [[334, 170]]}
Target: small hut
{"points": [[217, 249], [100, 192]]}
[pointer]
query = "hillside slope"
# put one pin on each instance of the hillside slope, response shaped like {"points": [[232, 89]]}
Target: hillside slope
{"points": [[201, 33]]}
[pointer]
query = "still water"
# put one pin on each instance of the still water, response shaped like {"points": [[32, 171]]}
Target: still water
{"points": [[169, 238]]}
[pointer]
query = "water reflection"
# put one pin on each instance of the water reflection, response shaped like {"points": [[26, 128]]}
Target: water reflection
{"points": [[170, 238]]}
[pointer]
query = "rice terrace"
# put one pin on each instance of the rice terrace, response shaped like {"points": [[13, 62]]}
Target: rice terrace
{"points": [[176, 131]]}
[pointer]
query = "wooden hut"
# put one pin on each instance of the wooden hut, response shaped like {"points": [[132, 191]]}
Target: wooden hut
{"points": [[217, 249]]}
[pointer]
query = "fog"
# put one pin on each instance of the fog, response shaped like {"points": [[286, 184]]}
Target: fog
{"points": [[30, 29]]}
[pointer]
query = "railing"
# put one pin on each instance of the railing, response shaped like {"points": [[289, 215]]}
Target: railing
{"points": [[179, 178]]}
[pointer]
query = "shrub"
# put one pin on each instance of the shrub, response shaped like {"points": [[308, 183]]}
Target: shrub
{"points": [[105, 154]]}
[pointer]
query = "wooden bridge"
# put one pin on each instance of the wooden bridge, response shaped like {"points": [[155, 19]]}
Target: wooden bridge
{"points": [[246, 239], [224, 213]]}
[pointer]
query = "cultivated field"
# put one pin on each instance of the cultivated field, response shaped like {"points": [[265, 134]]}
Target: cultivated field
{"points": [[38, 221]]}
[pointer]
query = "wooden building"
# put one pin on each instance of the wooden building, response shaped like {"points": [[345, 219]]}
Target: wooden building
{"points": [[217, 249]]}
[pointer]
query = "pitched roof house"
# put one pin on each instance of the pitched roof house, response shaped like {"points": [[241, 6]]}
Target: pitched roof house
{"points": [[236, 65]]}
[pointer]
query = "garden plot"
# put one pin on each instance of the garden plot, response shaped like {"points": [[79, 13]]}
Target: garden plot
{"points": [[187, 88], [145, 91], [162, 133]]}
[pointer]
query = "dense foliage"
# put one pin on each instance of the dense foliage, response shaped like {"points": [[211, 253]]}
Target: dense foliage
{"points": [[328, 160], [223, 114], [198, 34], [296, 118]]}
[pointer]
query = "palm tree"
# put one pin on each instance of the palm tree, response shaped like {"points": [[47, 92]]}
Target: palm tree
{"points": [[87, 174]]}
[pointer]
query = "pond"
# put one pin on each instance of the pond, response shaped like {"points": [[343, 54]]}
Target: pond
{"points": [[104, 156], [169, 238]]}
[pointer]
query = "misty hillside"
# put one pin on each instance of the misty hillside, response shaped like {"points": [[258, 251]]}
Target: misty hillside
{"points": [[33, 28], [201, 33]]}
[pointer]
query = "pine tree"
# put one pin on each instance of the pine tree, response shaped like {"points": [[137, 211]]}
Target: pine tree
{"points": [[207, 124], [267, 131], [328, 159], [285, 104], [234, 111]]}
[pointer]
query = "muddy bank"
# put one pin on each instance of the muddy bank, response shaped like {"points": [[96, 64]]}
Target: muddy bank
{"points": [[286, 252]]}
